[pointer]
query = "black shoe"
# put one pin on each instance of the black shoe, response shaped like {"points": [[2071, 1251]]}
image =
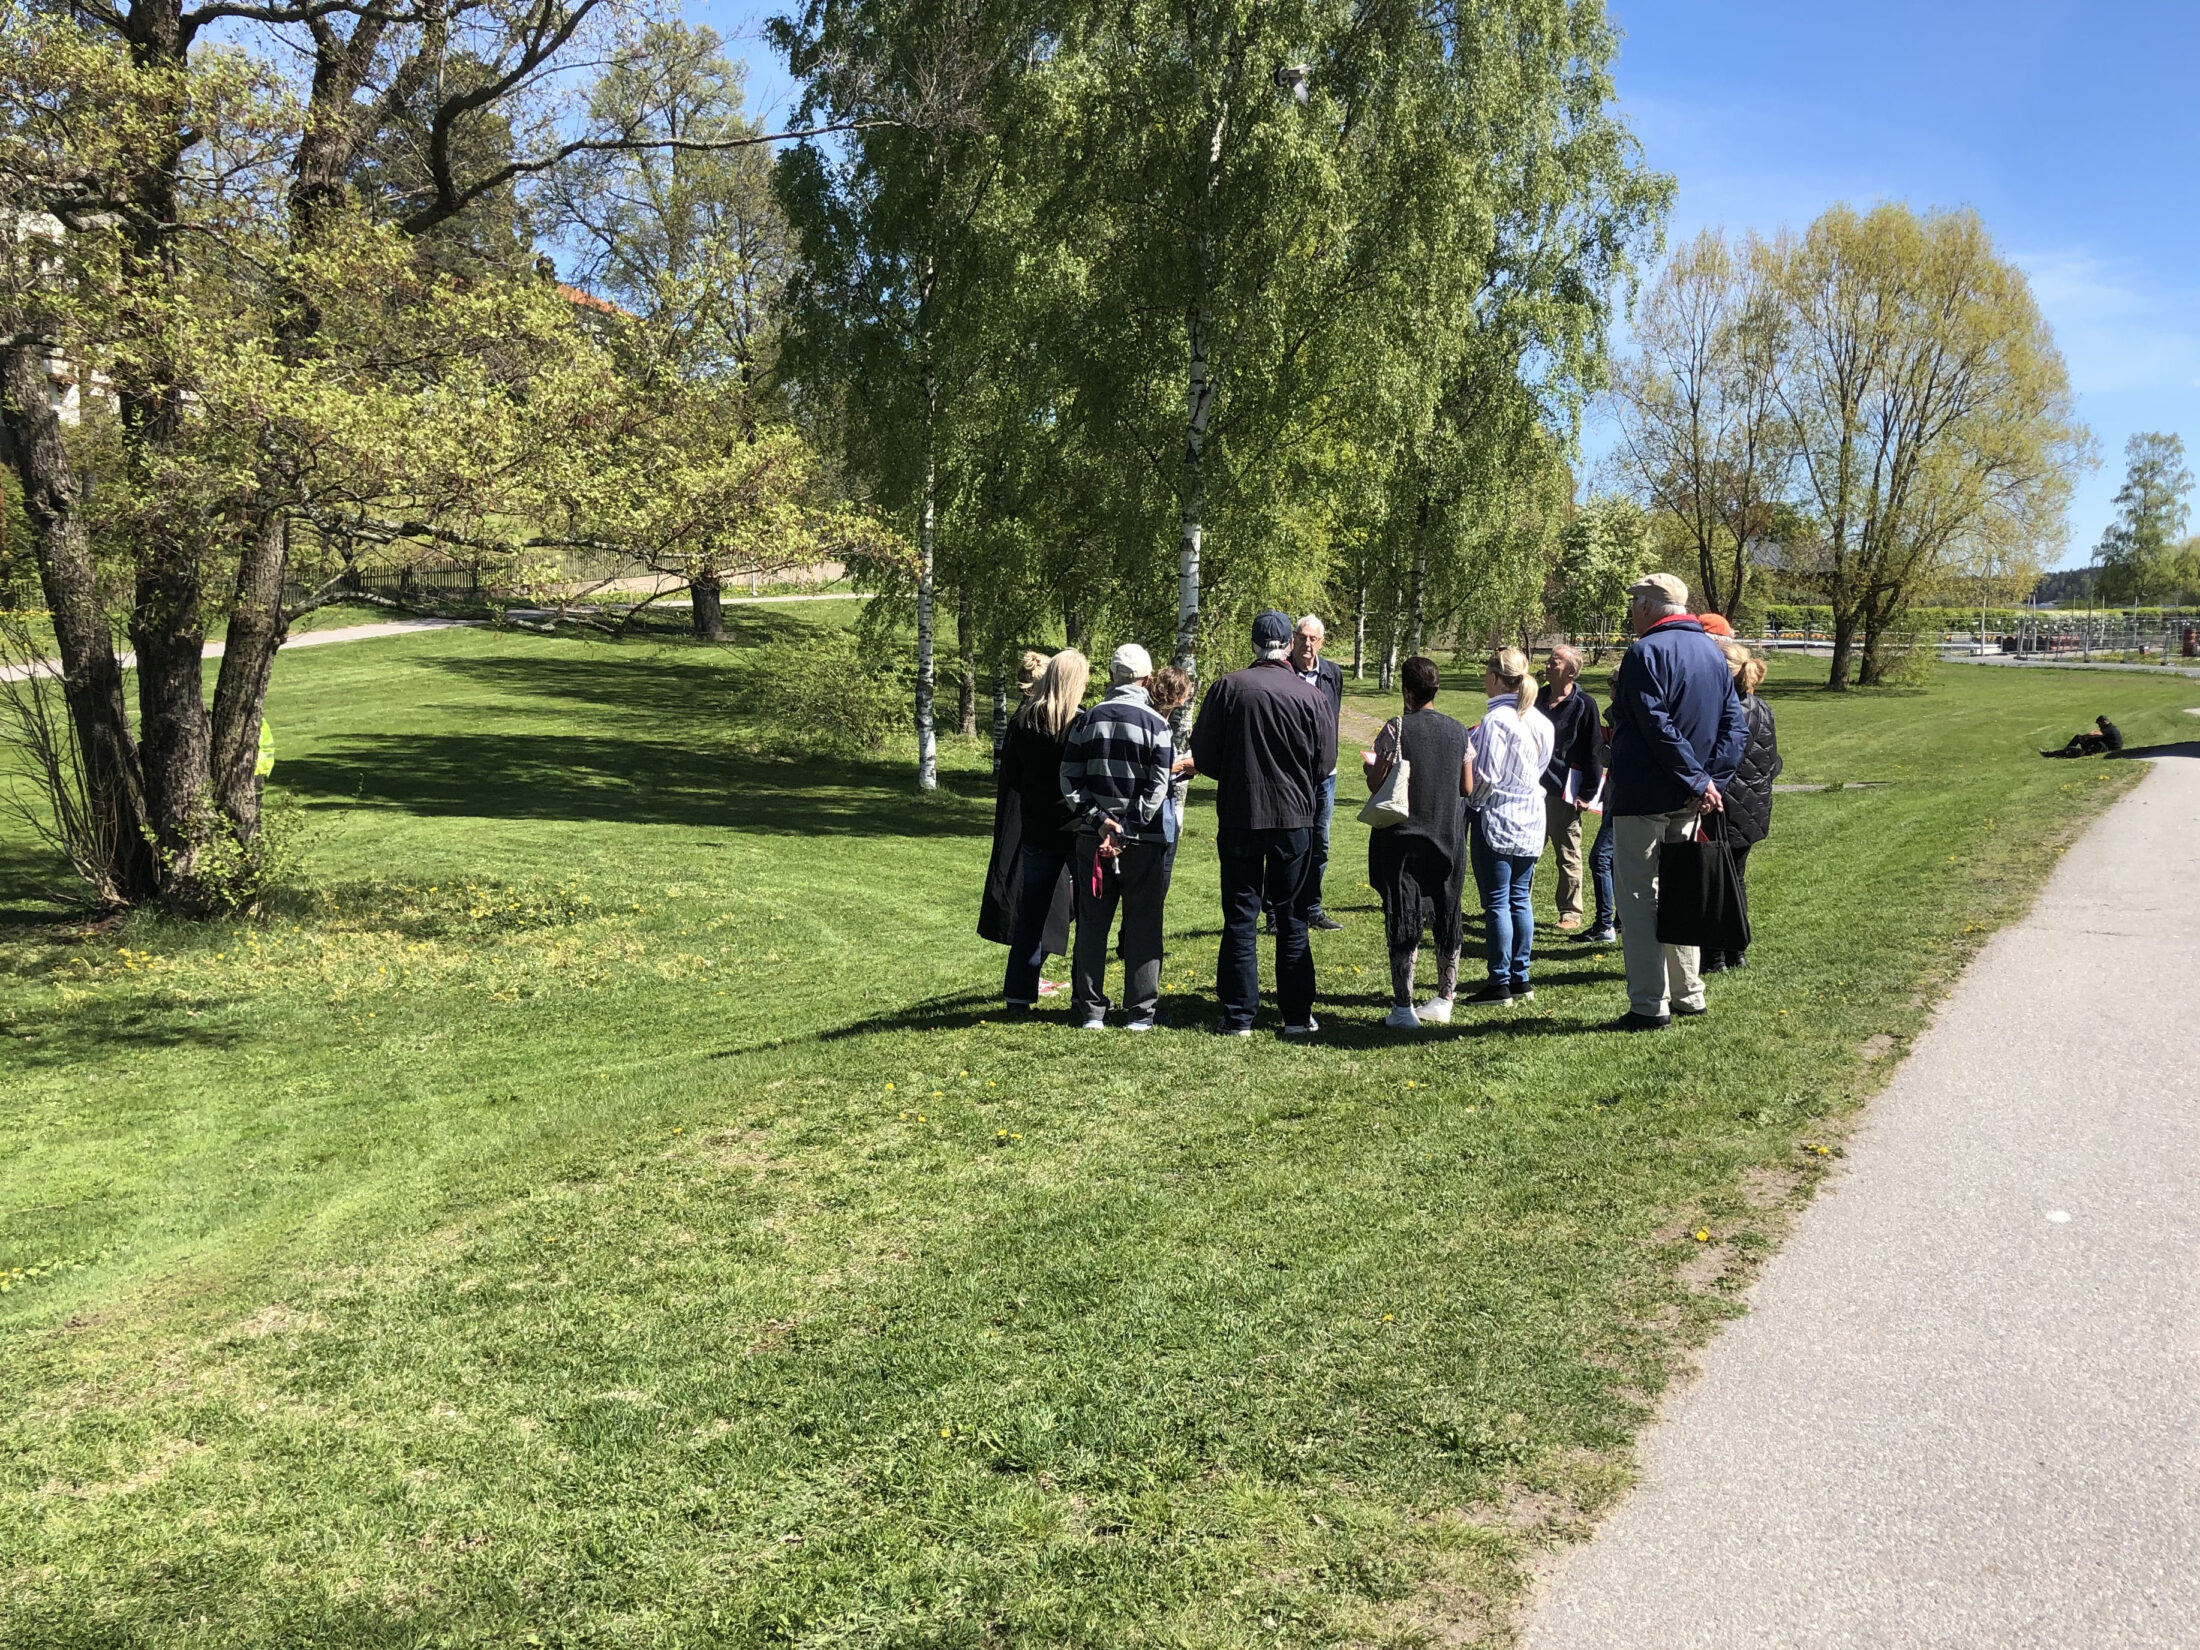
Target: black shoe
{"points": [[1223, 1028], [1490, 996], [1017, 1011], [1602, 934], [1323, 921], [1712, 968], [1631, 1021], [1687, 1013]]}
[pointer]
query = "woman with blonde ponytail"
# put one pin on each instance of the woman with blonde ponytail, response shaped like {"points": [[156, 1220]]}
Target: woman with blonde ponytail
{"points": [[1031, 774], [1511, 746]]}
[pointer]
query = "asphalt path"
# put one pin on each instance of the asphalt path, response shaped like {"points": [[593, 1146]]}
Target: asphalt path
{"points": [[300, 638], [1964, 1409]]}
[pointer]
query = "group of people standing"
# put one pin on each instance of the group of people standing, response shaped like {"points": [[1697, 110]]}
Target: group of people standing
{"points": [[1088, 819]]}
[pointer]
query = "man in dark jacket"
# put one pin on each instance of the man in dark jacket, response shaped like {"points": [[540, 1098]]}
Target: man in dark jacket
{"points": [[1678, 729], [1268, 740], [1325, 678], [1576, 768]]}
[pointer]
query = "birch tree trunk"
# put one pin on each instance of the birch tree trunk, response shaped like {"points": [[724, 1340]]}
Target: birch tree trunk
{"points": [[966, 646], [1417, 597], [1359, 632], [1199, 323], [928, 755]]}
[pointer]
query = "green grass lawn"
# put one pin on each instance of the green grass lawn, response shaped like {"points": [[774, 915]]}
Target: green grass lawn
{"points": [[604, 1208]]}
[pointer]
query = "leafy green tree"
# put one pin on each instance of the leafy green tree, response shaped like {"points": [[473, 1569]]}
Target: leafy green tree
{"points": [[1602, 550], [248, 249], [893, 224], [1701, 436], [676, 226], [1927, 407], [2138, 554]]}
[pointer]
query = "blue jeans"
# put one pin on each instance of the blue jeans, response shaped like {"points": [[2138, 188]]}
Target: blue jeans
{"points": [[1042, 868], [1600, 872], [1264, 868], [1507, 882]]}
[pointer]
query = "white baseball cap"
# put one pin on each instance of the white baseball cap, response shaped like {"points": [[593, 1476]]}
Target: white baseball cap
{"points": [[1129, 663]]}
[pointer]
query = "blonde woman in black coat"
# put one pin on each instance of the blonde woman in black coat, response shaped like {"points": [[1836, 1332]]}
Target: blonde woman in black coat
{"points": [[1749, 799]]}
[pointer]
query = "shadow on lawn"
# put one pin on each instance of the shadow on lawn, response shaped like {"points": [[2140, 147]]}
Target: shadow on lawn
{"points": [[2147, 753], [631, 781], [672, 686]]}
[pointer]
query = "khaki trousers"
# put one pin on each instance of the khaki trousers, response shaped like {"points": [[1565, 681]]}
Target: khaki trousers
{"points": [[1658, 976], [1562, 829]]}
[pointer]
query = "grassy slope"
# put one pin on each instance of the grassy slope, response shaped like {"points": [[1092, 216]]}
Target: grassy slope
{"points": [[605, 1211]]}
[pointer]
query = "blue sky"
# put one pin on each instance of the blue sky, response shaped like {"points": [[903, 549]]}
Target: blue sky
{"points": [[2071, 128]]}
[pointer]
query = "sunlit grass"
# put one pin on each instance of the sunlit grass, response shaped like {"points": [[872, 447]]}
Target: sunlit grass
{"points": [[604, 1204]]}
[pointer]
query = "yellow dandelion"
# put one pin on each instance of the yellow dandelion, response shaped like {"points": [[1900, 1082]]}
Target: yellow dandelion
{"points": [[889, 1088], [1703, 1235]]}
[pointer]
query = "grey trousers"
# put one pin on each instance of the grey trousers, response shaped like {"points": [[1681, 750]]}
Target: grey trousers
{"points": [[1658, 976], [1139, 884]]}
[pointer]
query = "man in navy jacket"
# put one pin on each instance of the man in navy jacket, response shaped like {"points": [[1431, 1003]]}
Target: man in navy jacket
{"points": [[1678, 729]]}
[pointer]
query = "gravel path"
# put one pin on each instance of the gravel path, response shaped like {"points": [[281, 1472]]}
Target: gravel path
{"points": [[1965, 1407], [303, 638]]}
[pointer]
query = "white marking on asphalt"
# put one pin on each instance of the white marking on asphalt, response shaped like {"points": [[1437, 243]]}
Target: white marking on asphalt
{"points": [[2061, 1217]]}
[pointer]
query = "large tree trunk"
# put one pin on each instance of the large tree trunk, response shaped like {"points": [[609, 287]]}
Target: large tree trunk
{"points": [[966, 645], [256, 630], [707, 607], [91, 675], [1359, 630], [1844, 646], [174, 738]]}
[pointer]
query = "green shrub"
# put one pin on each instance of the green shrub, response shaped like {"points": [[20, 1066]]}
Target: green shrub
{"points": [[826, 691]]}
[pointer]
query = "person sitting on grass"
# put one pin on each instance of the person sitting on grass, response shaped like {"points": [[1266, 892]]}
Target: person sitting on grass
{"points": [[1511, 748], [2106, 742], [1418, 866]]}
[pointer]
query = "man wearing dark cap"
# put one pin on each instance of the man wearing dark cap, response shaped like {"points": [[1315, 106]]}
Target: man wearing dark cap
{"points": [[1268, 741]]}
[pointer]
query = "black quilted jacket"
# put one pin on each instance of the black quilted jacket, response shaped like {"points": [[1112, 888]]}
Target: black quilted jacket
{"points": [[1749, 798]]}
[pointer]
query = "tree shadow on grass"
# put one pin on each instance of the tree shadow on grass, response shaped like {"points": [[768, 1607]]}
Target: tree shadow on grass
{"points": [[631, 781], [2147, 753], [700, 685]]}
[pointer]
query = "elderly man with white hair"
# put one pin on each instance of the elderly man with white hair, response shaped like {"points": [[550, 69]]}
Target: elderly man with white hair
{"points": [[1678, 729], [1576, 769], [1323, 676]]}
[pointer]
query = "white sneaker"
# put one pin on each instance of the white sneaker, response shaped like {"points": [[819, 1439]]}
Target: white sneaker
{"points": [[1402, 1018], [1436, 1011], [1093, 1025], [1307, 1030]]}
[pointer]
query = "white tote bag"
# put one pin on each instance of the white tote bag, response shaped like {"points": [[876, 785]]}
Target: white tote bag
{"points": [[1392, 802]]}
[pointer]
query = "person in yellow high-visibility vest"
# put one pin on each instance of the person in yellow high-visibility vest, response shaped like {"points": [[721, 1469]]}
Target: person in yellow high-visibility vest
{"points": [[264, 763]]}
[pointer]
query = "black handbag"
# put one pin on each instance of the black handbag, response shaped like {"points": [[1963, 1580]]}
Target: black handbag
{"points": [[1701, 900]]}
